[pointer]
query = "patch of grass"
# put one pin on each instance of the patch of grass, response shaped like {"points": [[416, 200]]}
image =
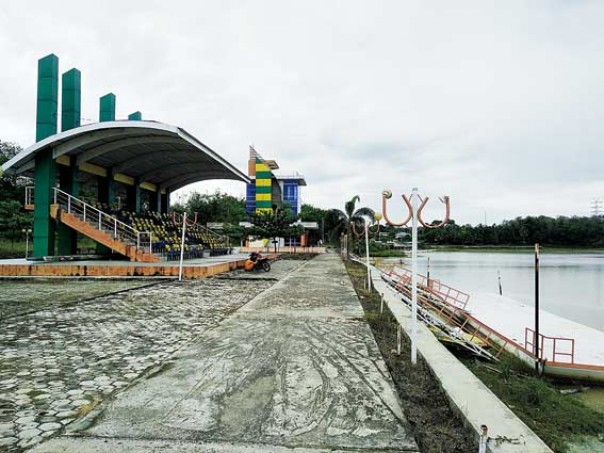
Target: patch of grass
{"points": [[10, 249], [555, 418], [387, 254]]}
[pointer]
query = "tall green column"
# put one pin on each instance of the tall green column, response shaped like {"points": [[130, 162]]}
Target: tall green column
{"points": [[106, 195], [71, 100], [67, 239], [165, 202], [153, 201], [48, 95], [106, 189], [137, 196], [130, 204], [45, 170], [44, 226], [107, 108], [157, 207]]}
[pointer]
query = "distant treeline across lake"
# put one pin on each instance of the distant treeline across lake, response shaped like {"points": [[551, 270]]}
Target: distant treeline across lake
{"points": [[559, 231]]}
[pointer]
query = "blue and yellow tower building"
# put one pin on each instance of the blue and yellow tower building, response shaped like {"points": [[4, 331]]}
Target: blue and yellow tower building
{"points": [[268, 191], [263, 184]]}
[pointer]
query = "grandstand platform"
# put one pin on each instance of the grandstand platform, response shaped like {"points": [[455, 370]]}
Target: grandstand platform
{"points": [[192, 268]]}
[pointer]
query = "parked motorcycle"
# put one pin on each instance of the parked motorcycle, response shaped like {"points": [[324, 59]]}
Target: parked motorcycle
{"points": [[256, 262]]}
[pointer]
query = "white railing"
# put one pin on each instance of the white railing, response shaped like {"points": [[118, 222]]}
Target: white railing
{"points": [[103, 221], [29, 195]]}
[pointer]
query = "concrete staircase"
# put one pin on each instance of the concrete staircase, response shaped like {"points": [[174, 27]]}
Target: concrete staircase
{"points": [[102, 228]]}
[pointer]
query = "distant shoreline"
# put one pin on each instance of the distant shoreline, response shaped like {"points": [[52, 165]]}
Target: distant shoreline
{"points": [[513, 249]]}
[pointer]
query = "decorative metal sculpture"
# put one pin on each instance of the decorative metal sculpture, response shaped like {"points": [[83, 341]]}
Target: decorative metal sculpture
{"points": [[377, 217], [371, 234], [415, 214], [387, 194]]}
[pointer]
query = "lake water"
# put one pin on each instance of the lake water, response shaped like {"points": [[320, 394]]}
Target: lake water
{"points": [[571, 285]]}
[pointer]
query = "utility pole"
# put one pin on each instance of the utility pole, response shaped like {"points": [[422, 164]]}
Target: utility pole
{"points": [[537, 352], [182, 245]]}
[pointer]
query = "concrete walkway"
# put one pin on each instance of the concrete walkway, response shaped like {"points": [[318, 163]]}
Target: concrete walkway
{"points": [[296, 369]]}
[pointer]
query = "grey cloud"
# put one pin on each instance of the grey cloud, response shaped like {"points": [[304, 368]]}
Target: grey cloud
{"points": [[486, 101]]}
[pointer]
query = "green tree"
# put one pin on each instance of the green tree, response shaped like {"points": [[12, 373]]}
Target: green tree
{"points": [[350, 216], [274, 224], [309, 213], [13, 218], [11, 186], [217, 207]]}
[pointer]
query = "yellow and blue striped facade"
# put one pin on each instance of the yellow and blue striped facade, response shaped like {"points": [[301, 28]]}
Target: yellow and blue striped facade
{"points": [[263, 192]]}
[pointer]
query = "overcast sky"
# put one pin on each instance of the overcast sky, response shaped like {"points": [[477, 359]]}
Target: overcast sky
{"points": [[499, 104]]}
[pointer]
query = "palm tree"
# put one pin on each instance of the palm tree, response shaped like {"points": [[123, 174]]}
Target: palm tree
{"points": [[350, 215]]}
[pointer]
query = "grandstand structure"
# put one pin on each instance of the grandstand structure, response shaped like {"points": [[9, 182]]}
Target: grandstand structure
{"points": [[111, 181]]}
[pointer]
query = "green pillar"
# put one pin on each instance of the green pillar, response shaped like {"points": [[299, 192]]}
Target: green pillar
{"points": [[136, 116], [130, 204], [45, 170], [106, 189], [106, 195], [67, 239], [137, 197], [71, 100], [159, 200], [44, 227], [48, 95], [165, 202], [107, 108], [153, 201], [75, 179]]}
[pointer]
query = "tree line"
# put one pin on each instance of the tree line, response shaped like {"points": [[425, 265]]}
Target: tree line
{"points": [[559, 231]]}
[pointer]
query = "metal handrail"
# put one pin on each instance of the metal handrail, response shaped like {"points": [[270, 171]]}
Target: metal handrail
{"points": [[447, 293], [103, 221], [529, 341]]}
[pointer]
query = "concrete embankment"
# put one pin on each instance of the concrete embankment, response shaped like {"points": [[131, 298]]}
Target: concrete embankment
{"points": [[469, 397]]}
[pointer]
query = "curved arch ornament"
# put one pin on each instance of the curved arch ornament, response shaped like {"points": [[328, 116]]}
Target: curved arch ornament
{"points": [[374, 234], [367, 225], [415, 206]]}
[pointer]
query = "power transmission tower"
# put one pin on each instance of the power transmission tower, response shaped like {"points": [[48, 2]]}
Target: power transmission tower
{"points": [[597, 208]]}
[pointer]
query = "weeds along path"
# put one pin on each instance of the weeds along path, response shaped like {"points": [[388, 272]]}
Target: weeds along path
{"points": [[435, 427]]}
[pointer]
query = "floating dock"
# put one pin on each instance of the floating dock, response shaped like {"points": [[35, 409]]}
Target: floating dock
{"points": [[489, 324]]}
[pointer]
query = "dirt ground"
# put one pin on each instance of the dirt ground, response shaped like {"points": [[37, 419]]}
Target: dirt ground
{"points": [[435, 427]]}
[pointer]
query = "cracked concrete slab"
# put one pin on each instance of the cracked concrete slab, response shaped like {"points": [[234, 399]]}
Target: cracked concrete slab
{"points": [[295, 369]]}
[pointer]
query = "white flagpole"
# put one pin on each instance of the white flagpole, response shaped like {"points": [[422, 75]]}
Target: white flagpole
{"points": [[182, 245], [414, 200]]}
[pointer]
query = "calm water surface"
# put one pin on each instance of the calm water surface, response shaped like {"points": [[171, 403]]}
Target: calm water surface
{"points": [[571, 285]]}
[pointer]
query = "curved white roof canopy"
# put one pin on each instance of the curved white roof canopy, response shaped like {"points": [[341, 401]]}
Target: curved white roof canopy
{"points": [[152, 152]]}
